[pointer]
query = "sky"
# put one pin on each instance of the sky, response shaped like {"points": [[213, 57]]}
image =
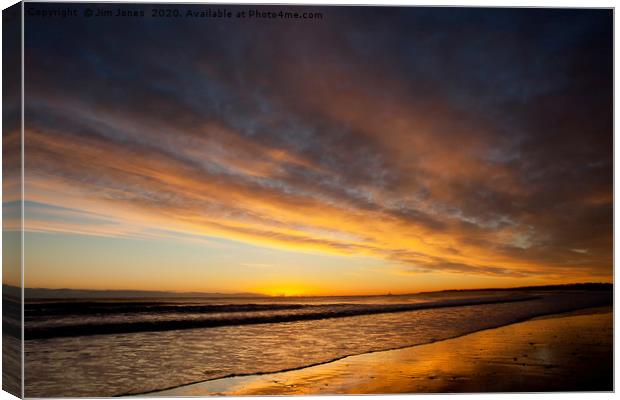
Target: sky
{"points": [[368, 151]]}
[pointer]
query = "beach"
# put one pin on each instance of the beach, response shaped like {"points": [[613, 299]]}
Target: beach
{"points": [[562, 352], [125, 347]]}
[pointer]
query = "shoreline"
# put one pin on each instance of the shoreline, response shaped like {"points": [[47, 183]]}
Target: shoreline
{"points": [[406, 368]]}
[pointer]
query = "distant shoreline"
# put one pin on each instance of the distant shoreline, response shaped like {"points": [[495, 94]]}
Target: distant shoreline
{"points": [[55, 294]]}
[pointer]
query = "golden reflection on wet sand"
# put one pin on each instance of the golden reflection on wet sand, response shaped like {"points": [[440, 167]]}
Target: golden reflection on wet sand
{"points": [[567, 352]]}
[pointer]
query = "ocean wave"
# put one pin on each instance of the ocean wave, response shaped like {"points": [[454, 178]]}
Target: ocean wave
{"points": [[229, 315]]}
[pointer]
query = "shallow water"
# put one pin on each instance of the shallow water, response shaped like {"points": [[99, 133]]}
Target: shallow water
{"points": [[126, 363], [565, 352]]}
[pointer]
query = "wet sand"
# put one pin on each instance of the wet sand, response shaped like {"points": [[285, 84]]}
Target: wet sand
{"points": [[566, 352]]}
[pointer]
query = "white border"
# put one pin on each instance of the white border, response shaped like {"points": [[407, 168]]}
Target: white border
{"points": [[478, 3]]}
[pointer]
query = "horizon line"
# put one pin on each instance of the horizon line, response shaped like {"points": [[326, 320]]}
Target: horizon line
{"points": [[257, 294]]}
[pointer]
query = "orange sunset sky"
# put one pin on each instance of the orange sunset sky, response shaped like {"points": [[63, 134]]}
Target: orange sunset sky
{"points": [[372, 151]]}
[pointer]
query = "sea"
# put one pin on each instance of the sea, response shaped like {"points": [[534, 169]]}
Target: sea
{"points": [[116, 347]]}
